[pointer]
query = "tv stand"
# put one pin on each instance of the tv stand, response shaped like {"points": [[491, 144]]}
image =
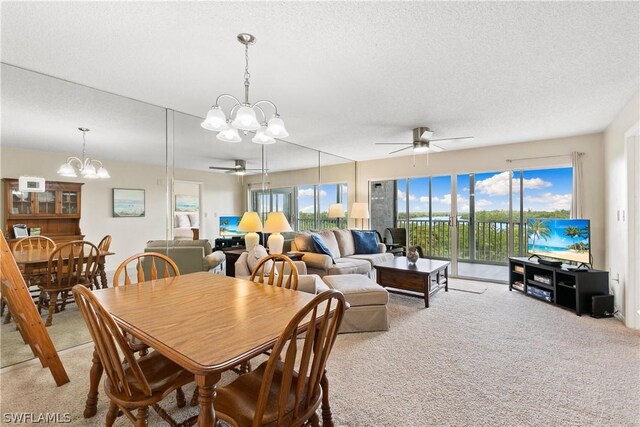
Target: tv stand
{"points": [[571, 289]]}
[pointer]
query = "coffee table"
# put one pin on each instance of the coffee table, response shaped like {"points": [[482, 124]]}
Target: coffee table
{"points": [[426, 275]]}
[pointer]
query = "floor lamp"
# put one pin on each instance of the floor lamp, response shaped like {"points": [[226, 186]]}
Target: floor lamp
{"points": [[360, 211], [336, 210]]}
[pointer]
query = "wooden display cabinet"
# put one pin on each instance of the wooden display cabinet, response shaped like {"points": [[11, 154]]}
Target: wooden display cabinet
{"points": [[56, 211]]}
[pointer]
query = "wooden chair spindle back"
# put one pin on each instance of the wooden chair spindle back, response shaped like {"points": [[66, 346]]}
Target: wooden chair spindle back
{"points": [[107, 339], [168, 267], [272, 262], [303, 379], [72, 263], [105, 243], [33, 243]]}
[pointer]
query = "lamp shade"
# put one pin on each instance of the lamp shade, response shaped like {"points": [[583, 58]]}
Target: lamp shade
{"points": [[276, 222], [215, 120], [360, 210], [262, 138], [250, 222], [229, 135], [245, 119], [336, 210], [276, 129]]}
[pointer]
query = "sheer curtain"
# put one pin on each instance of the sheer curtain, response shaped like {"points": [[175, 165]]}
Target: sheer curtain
{"points": [[576, 200]]}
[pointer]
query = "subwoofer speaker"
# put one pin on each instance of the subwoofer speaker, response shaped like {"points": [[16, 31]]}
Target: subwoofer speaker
{"points": [[601, 306]]}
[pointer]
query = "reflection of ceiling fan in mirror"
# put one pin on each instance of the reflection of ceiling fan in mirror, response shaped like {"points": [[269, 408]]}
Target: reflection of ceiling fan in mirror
{"points": [[422, 141], [240, 168]]}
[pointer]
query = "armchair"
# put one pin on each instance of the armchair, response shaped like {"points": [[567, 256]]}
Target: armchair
{"points": [[189, 255]]}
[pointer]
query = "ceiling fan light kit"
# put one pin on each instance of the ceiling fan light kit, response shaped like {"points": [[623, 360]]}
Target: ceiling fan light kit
{"points": [[243, 116]]}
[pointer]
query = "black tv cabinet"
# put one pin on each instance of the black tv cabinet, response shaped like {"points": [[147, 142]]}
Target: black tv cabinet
{"points": [[571, 289]]}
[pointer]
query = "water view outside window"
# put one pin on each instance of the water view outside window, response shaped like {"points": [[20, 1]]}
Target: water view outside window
{"points": [[483, 212], [313, 203]]}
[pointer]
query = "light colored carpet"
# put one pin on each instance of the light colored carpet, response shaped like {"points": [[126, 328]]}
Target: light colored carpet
{"points": [[468, 286], [494, 359]]}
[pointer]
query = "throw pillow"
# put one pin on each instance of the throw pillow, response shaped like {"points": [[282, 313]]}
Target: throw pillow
{"points": [[366, 242], [329, 239], [321, 247], [345, 242], [255, 255], [194, 219], [303, 242]]}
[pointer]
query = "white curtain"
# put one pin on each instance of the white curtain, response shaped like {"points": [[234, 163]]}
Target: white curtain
{"points": [[576, 200]]}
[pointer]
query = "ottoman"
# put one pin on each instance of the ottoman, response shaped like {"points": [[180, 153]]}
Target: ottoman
{"points": [[367, 300]]}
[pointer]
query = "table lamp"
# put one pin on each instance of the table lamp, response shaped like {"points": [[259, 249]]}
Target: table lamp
{"points": [[275, 224], [250, 223], [360, 211]]}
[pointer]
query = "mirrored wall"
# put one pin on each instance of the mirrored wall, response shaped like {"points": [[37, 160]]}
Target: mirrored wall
{"points": [[169, 178]]}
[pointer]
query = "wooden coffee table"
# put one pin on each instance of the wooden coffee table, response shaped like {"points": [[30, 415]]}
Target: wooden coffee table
{"points": [[426, 275]]}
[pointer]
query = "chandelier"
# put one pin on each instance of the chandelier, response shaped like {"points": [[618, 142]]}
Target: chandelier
{"points": [[87, 167], [243, 116]]}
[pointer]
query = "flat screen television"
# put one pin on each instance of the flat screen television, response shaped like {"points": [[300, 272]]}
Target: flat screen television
{"points": [[564, 239], [229, 226]]}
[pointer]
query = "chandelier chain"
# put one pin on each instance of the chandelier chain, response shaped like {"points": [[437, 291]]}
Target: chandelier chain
{"points": [[247, 75]]}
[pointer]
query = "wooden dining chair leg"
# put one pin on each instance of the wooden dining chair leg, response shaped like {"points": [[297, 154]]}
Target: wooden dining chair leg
{"points": [[315, 420], [180, 399], [194, 397], [53, 299], [142, 417], [112, 414]]}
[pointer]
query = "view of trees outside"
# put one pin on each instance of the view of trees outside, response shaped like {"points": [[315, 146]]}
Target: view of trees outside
{"points": [[314, 199], [483, 226]]}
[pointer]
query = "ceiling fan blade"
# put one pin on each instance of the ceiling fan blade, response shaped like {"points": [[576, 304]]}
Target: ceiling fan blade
{"points": [[451, 139], [402, 149], [435, 148], [393, 143], [222, 169], [255, 169]]}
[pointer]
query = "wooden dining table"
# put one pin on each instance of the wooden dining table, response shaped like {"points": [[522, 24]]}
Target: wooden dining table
{"points": [[36, 259], [206, 323]]}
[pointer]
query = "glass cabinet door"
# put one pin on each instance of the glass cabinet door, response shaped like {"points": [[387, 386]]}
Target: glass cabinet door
{"points": [[69, 202], [47, 202], [20, 202]]}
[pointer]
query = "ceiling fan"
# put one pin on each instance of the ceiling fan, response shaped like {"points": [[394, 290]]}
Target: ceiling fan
{"points": [[422, 142], [240, 168]]}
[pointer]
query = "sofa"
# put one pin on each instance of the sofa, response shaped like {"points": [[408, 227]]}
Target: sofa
{"points": [[310, 283], [190, 256], [343, 258]]}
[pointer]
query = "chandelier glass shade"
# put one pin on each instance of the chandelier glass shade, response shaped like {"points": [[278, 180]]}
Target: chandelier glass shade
{"points": [[85, 167], [244, 116]]}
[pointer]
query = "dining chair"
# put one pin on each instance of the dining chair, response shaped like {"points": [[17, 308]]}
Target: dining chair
{"points": [[70, 264], [267, 268], [287, 389], [135, 383], [103, 246], [32, 276], [146, 266]]}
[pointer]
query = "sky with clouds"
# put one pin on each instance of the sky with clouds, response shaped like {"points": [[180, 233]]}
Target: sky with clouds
{"points": [[328, 195], [544, 190]]}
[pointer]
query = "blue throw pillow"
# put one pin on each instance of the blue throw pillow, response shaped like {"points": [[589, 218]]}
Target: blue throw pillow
{"points": [[366, 242], [321, 247]]}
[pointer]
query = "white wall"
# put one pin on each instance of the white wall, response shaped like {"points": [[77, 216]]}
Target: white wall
{"points": [[615, 200], [493, 159], [222, 195]]}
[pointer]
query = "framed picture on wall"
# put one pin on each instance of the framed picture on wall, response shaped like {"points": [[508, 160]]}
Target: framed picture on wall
{"points": [[128, 202], [187, 203]]}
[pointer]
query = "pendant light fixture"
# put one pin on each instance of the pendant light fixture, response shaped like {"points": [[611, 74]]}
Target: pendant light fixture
{"points": [[86, 167], [243, 116]]}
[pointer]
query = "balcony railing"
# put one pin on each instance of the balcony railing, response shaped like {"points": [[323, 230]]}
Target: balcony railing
{"points": [[488, 244], [323, 223]]}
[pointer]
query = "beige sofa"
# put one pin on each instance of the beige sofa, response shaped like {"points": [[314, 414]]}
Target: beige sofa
{"points": [[310, 283], [342, 246], [189, 255]]}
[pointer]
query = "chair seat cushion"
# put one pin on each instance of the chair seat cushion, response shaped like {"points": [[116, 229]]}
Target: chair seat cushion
{"points": [[358, 290], [374, 259], [238, 399], [163, 377]]}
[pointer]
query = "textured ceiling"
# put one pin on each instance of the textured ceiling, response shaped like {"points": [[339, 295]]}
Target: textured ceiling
{"points": [[348, 74]]}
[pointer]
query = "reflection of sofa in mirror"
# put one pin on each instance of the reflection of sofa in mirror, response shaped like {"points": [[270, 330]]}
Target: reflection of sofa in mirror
{"points": [[310, 283], [189, 255], [344, 259]]}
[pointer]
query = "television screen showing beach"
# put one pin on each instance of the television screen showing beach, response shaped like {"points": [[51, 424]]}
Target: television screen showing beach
{"points": [[229, 226], [566, 239], [128, 202]]}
